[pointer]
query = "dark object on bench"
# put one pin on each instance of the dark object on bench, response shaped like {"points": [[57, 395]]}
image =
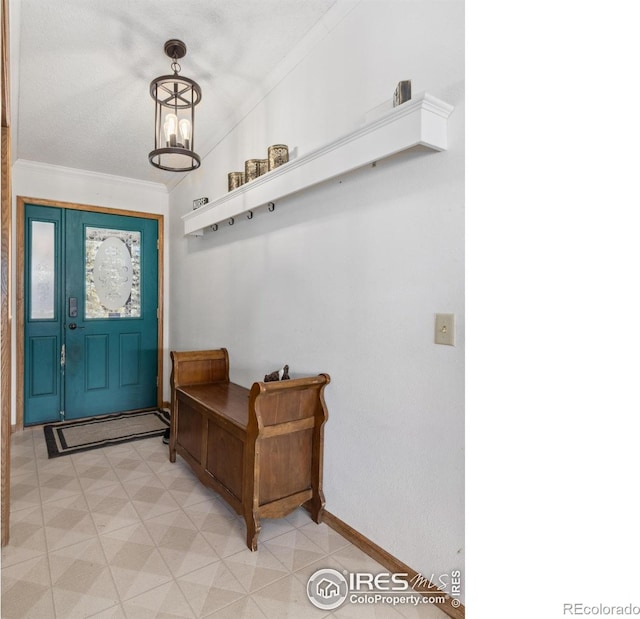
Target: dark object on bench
{"points": [[282, 374]]}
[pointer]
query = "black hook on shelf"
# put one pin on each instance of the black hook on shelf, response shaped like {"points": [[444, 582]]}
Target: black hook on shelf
{"points": [[214, 227], [271, 207], [250, 215], [232, 221]]}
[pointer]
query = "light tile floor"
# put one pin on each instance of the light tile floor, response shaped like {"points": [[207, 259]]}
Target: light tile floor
{"points": [[121, 532]]}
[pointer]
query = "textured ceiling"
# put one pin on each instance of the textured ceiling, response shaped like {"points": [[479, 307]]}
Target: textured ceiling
{"points": [[85, 67]]}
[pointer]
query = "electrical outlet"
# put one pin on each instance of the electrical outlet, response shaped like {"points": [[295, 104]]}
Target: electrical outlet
{"points": [[445, 329]]}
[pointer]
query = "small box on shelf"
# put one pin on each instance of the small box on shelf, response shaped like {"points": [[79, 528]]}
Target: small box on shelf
{"points": [[402, 92], [197, 203]]}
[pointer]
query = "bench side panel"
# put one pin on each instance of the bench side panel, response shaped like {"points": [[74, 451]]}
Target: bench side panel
{"points": [[288, 419]]}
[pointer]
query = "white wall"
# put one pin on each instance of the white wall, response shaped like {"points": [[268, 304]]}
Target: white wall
{"points": [[47, 182], [346, 277]]}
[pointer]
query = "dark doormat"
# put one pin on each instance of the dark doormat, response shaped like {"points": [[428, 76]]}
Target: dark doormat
{"points": [[69, 437]]}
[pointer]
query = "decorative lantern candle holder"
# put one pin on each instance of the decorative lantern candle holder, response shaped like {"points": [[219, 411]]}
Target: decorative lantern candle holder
{"points": [[278, 154], [254, 168], [235, 180]]}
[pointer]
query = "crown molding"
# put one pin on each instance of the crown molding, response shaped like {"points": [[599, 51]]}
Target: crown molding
{"points": [[47, 168]]}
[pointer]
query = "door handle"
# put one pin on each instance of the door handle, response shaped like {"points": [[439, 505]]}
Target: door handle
{"points": [[73, 326]]}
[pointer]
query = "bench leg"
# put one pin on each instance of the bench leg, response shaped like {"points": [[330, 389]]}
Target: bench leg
{"points": [[173, 434], [252, 521], [315, 505]]}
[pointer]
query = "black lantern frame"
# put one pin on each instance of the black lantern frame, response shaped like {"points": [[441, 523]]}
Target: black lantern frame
{"points": [[175, 100]]}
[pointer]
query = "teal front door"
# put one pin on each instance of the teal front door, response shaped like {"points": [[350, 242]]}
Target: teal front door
{"points": [[91, 313]]}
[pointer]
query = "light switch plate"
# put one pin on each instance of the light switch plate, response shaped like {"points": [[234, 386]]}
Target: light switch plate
{"points": [[445, 329]]}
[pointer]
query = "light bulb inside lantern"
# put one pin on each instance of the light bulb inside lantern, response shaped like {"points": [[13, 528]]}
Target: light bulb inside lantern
{"points": [[185, 132], [170, 129]]}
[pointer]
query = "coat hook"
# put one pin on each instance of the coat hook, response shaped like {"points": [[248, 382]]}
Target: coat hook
{"points": [[271, 207], [250, 215], [214, 227], [232, 221]]}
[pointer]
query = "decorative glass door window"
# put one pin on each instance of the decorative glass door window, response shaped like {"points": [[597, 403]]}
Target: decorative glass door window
{"points": [[42, 270], [112, 273]]}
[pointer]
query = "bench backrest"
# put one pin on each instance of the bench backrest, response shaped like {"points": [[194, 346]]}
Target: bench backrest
{"points": [[199, 366], [289, 400]]}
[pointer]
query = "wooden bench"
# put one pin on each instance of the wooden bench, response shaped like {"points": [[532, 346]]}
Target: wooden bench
{"points": [[261, 449]]}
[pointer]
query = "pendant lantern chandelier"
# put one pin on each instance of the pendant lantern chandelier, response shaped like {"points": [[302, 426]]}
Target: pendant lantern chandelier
{"points": [[175, 100]]}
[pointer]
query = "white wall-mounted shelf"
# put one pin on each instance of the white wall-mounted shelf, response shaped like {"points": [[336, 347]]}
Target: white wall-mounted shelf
{"points": [[421, 121]]}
